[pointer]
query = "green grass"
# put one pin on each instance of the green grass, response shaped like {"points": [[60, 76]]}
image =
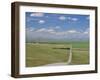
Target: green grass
{"points": [[38, 54]]}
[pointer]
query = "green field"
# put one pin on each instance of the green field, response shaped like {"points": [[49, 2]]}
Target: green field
{"points": [[39, 54]]}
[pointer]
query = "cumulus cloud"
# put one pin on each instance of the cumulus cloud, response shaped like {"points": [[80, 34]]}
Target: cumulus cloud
{"points": [[37, 14], [41, 21], [62, 17], [54, 32], [41, 30], [51, 33], [73, 31], [72, 19], [67, 32], [45, 30]]}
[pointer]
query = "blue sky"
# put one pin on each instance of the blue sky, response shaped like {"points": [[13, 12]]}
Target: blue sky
{"points": [[51, 25]]}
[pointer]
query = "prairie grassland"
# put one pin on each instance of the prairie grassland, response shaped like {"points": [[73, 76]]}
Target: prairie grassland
{"points": [[39, 54]]}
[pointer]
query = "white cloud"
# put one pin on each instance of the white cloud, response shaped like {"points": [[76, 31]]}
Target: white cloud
{"points": [[66, 32], [41, 21], [51, 30], [41, 30], [37, 14], [54, 32], [62, 17], [73, 31], [51, 33], [72, 19], [86, 32], [45, 30]]}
